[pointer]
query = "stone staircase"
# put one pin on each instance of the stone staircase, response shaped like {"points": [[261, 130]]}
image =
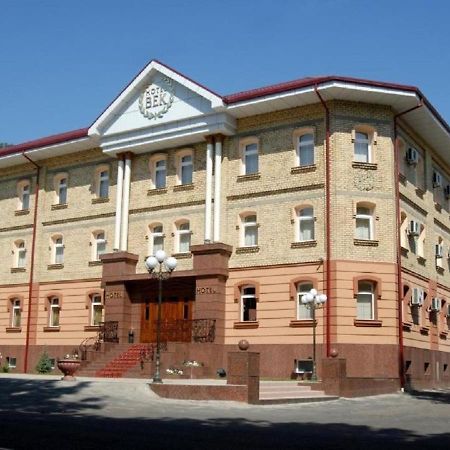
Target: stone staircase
{"points": [[274, 392]]}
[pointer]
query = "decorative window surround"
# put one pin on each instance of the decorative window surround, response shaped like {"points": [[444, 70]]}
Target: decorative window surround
{"points": [[367, 323], [184, 187], [366, 242], [59, 206], [303, 169], [364, 165], [246, 325], [13, 329], [18, 269], [22, 212], [245, 250], [249, 177], [421, 260], [162, 190], [55, 266]]}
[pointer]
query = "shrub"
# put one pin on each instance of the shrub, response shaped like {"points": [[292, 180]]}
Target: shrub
{"points": [[44, 364]]}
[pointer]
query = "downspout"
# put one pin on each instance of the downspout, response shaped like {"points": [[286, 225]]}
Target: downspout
{"points": [[401, 357], [327, 222], [33, 250]]}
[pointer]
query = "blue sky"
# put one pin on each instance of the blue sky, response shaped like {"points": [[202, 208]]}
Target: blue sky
{"points": [[62, 62]]}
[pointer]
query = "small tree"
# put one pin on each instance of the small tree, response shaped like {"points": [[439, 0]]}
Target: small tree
{"points": [[44, 364]]}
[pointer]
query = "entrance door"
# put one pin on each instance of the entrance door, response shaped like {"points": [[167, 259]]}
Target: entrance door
{"points": [[176, 322]]}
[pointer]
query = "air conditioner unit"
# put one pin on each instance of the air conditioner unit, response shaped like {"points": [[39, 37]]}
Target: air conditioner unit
{"points": [[439, 250], [435, 304], [447, 191], [414, 228], [417, 297], [437, 179], [412, 156]]}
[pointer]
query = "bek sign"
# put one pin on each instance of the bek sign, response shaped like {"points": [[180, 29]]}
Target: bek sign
{"points": [[156, 100]]}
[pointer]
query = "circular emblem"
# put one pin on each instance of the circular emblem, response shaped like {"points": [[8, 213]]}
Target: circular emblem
{"points": [[156, 100]]}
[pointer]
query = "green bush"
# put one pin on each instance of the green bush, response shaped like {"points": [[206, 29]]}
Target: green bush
{"points": [[44, 364], [5, 369]]}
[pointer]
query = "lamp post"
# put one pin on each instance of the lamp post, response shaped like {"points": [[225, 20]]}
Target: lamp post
{"points": [[160, 267], [313, 300]]}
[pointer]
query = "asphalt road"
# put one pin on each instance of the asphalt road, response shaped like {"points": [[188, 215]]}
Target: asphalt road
{"points": [[45, 413]]}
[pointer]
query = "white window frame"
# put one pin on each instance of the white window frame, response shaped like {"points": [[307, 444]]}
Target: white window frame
{"points": [[16, 313], [181, 231], [245, 296], [54, 304], [20, 257], [24, 192], [303, 313], [359, 140], [371, 294], [12, 362], [183, 165], [61, 188], [364, 217], [58, 243], [96, 301], [305, 219], [153, 235], [249, 147], [160, 168], [308, 144], [246, 226], [103, 180], [99, 240]]}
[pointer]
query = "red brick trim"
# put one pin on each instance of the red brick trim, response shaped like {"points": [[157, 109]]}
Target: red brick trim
{"points": [[297, 280], [238, 286]]}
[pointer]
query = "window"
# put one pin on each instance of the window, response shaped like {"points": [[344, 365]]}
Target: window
{"points": [[250, 231], [23, 189], [11, 361], [362, 147], [365, 300], [159, 173], [99, 245], [248, 304], [184, 237], [16, 315], [61, 189], [185, 167], [55, 309], [20, 259], [96, 310], [364, 222], [250, 158], [103, 184], [305, 224], [156, 239], [58, 250], [305, 149], [303, 313]]}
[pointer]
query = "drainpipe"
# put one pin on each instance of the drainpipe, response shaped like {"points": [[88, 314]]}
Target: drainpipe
{"points": [[217, 186], [119, 190], [401, 357], [125, 203], [33, 251], [327, 222], [208, 189]]}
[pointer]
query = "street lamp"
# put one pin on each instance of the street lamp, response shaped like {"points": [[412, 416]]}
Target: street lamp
{"points": [[313, 300], [164, 267]]}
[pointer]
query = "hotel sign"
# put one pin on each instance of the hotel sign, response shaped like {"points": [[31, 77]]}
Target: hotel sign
{"points": [[156, 100]]}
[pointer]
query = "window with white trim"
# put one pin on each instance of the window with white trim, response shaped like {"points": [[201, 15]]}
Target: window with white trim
{"points": [[96, 310], [57, 250], [184, 237], [362, 149], [160, 174], [249, 236], [248, 303], [365, 307], [20, 255], [305, 149], [103, 183], [156, 238], [99, 245], [364, 222], [16, 316], [250, 158], [55, 310], [61, 189], [303, 313], [185, 168], [24, 190], [11, 361], [305, 224]]}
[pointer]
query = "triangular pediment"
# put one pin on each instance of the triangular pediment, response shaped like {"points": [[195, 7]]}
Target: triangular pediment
{"points": [[156, 97]]}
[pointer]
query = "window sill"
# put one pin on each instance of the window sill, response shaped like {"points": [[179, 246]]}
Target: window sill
{"points": [[402, 179], [97, 200], [13, 329], [185, 255], [440, 270], [303, 169], [425, 330], [304, 244], [407, 326], [443, 334], [92, 328], [59, 206], [156, 191], [364, 165], [184, 187], [249, 177], [95, 263], [18, 269], [421, 260], [365, 242], [302, 323], [51, 329], [55, 266], [246, 325], [438, 207], [22, 212], [367, 323], [247, 250], [404, 251], [419, 193]]}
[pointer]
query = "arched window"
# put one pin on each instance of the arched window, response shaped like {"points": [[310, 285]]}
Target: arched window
{"points": [[54, 311], [303, 313], [364, 221], [183, 241], [57, 250], [365, 298], [96, 310], [362, 147], [60, 182], [303, 139], [158, 171], [248, 303], [103, 182], [156, 238], [185, 160], [249, 150], [249, 226], [23, 191], [20, 254], [305, 223], [16, 313], [98, 245]]}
